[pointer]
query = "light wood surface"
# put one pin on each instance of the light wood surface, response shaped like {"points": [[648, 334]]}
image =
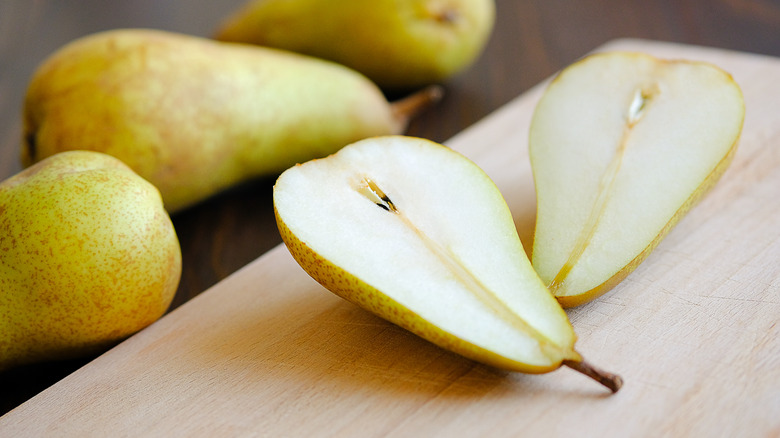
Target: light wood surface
{"points": [[268, 352]]}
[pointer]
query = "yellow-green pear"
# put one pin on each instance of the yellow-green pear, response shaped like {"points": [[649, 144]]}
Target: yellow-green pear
{"points": [[622, 145], [88, 256], [419, 235], [194, 116], [397, 43]]}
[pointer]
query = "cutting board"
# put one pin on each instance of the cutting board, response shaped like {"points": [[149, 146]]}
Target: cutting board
{"points": [[268, 352]]}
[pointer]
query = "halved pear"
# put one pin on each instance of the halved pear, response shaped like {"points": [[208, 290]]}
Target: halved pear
{"points": [[420, 236], [622, 145]]}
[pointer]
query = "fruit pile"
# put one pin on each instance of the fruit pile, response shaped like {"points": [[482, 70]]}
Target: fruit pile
{"points": [[88, 254], [621, 145]]}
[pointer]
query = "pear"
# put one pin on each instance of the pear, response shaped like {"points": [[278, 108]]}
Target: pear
{"points": [[420, 236], [622, 145], [88, 256], [194, 116], [398, 44]]}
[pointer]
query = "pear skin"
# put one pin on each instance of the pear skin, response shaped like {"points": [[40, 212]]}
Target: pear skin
{"points": [[88, 256], [398, 44], [194, 116]]}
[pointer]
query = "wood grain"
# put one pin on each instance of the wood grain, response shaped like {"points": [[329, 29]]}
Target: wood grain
{"points": [[268, 352]]}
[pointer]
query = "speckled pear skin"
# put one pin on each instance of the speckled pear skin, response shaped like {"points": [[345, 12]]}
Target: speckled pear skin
{"points": [[353, 289], [88, 256]]}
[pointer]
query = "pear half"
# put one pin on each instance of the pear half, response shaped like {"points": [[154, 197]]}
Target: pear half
{"points": [[420, 236], [622, 145]]}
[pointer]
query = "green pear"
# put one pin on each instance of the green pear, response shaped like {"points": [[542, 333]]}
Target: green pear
{"points": [[419, 235], [194, 116], [622, 145], [398, 44], [88, 256]]}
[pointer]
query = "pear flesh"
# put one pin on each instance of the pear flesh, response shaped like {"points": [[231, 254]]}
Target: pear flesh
{"points": [[194, 116], [88, 256], [419, 235], [622, 145], [397, 44]]}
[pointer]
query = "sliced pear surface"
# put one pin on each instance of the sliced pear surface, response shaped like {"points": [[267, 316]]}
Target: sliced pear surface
{"points": [[622, 145], [419, 235]]}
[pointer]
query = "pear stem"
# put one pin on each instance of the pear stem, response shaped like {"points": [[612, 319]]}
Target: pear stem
{"points": [[611, 381], [408, 107]]}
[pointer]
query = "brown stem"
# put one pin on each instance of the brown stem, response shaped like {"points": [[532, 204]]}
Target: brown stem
{"points": [[406, 108], [611, 381]]}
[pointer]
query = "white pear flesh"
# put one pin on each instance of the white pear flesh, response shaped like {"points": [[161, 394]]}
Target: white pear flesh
{"points": [[622, 145], [419, 235]]}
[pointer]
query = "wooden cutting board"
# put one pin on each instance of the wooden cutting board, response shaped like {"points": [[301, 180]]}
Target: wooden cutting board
{"points": [[268, 352]]}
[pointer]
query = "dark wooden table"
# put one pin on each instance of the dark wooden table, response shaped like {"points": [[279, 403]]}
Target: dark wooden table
{"points": [[531, 41]]}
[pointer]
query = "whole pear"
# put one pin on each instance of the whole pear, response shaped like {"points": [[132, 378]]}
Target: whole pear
{"points": [[88, 256], [194, 116], [396, 43]]}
